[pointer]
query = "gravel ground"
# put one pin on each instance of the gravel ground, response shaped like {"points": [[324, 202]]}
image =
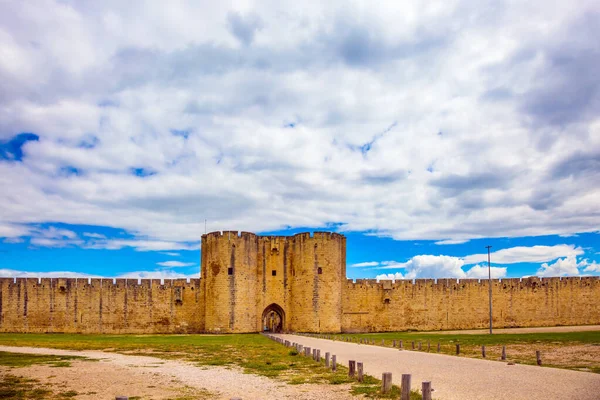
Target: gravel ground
{"points": [[225, 383], [545, 329], [463, 378]]}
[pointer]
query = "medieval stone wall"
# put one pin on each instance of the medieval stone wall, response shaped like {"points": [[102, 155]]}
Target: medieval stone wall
{"points": [[450, 304], [303, 277], [100, 305]]}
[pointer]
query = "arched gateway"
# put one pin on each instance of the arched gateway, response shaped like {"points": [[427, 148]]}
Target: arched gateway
{"points": [[273, 319]]}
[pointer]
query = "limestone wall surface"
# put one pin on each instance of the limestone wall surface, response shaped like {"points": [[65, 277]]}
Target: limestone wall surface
{"points": [[425, 304], [73, 305]]}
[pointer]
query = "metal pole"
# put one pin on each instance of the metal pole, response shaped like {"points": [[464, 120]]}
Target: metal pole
{"points": [[490, 285]]}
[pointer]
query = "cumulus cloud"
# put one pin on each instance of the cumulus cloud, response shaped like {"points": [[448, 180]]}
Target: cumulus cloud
{"points": [[371, 119], [430, 266], [568, 266], [524, 254]]}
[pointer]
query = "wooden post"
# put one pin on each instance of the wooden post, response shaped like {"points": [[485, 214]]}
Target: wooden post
{"points": [[483, 351], [413, 344], [419, 346], [386, 382], [428, 346], [327, 359], [333, 363], [314, 354], [351, 368], [121, 398], [405, 387], [394, 344], [538, 357], [503, 357], [359, 369], [401, 344], [439, 347], [426, 390], [457, 348], [318, 355], [307, 351]]}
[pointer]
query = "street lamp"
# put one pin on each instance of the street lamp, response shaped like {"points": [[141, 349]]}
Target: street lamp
{"points": [[490, 285]]}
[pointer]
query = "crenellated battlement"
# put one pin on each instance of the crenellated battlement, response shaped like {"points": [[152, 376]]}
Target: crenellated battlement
{"points": [[457, 283]]}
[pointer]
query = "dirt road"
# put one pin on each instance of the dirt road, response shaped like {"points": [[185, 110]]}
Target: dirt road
{"points": [[150, 377], [463, 378]]}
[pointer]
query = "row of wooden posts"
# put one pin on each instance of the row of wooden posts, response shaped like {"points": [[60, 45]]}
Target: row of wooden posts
{"points": [[400, 345], [356, 370]]}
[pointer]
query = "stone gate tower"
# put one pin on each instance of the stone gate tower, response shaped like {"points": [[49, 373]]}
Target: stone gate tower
{"points": [[290, 283]]}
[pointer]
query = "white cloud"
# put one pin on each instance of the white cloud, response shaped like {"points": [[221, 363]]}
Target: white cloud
{"points": [[365, 264], [591, 267], [11, 273], [172, 254], [157, 274], [430, 266], [568, 266], [175, 264], [94, 235], [452, 241], [523, 254], [301, 107]]}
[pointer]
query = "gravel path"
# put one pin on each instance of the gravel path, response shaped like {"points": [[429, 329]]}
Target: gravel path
{"points": [[544, 329], [463, 378], [224, 382]]}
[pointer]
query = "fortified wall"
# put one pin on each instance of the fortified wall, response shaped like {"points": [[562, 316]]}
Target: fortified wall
{"points": [[292, 283]]}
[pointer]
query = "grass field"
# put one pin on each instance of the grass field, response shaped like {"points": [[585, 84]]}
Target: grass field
{"points": [[254, 353], [571, 350]]}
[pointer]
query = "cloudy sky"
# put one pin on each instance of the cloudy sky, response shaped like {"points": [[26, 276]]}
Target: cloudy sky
{"points": [[422, 132]]}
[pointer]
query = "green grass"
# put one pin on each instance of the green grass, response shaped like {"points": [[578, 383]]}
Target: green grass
{"points": [[17, 360], [254, 353], [17, 388]]}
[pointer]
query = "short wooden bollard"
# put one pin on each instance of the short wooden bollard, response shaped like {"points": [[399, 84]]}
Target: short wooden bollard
{"points": [[351, 368], [538, 357], [428, 346], [307, 351], [314, 354], [401, 344], [318, 356], [405, 387], [457, 349], [333, 363], [439, 347], [483, 351], [503, 356], [394, 343], [386, 382], [327, 359], [382, 342], [426, 390], [121, 398], [359, 370], [413, 345], [419, 346]]}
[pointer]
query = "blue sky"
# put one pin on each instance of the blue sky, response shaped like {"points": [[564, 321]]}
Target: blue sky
{"points": [[423, 134]]}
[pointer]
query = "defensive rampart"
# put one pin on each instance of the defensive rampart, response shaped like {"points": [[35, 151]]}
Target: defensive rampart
{"points": [[427, 304], [100, 305], [249, 281]]}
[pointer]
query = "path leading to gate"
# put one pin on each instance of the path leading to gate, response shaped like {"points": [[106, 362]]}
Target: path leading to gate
{"points": [[462, 378]]}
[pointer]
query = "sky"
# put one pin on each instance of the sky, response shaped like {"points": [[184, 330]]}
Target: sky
{"points": [[422, 132]]}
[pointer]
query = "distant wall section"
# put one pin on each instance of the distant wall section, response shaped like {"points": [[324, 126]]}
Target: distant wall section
{"points": [[369, 306], [100, 305]]}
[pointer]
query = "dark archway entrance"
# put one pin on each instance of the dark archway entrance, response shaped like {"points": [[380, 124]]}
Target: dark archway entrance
{"points": [[273, 319]]}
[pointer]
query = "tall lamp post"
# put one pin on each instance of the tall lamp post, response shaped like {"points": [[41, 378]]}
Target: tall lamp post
{"points": [[490, 285]]}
